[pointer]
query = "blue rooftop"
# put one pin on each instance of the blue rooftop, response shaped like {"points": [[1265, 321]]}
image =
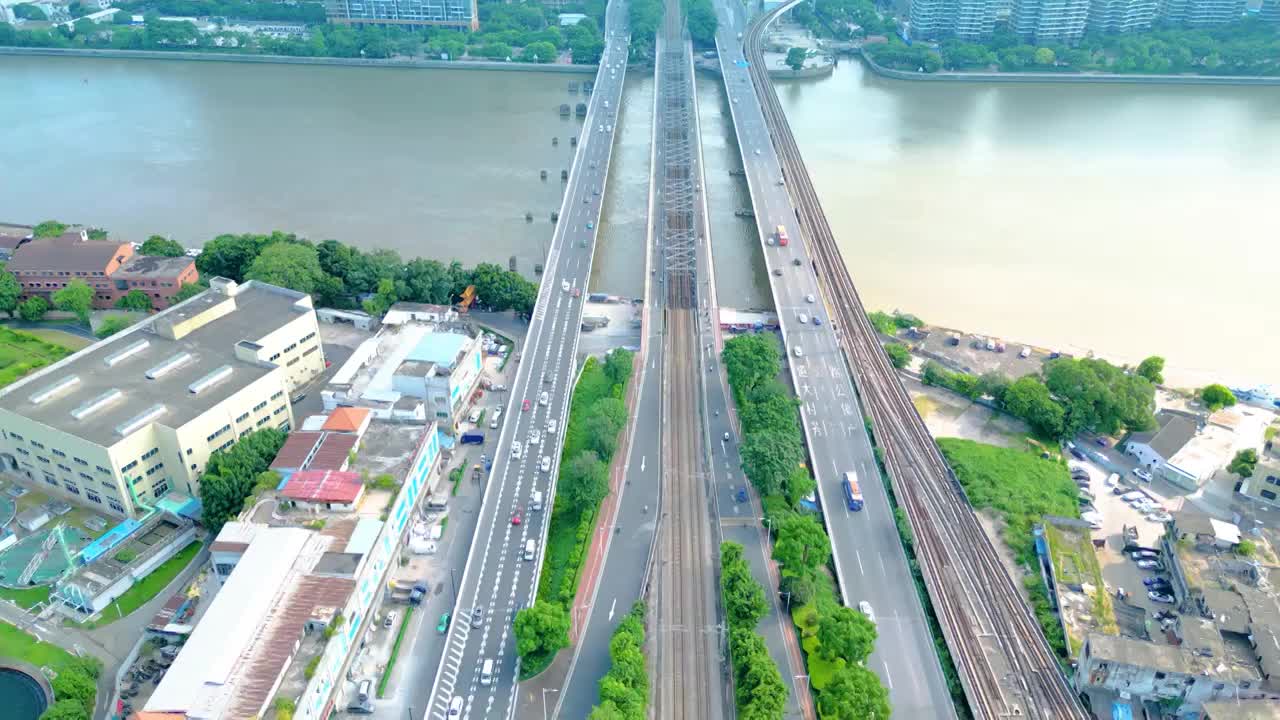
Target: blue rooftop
{"points": [[441, 348]]}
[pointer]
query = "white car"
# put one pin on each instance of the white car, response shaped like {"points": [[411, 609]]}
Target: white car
{"points": [[515, 449], [1142, 475], [544, 398], [809, 298], [564, 285], [545, 465], [803, 318], [535, 437], [798, 351], [865, 607], [1160, 517], [552, 424], [1132, 496]]}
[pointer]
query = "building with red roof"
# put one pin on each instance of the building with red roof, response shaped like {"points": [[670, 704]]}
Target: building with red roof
{"points": [[324, 490], [349, 419]]}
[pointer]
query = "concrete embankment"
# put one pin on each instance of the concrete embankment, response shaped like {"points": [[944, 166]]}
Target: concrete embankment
{"points": [[288, 60], [1032, 77]]}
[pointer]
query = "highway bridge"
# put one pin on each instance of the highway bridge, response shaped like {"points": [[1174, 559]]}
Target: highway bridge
{"points": [[1005, 664]]}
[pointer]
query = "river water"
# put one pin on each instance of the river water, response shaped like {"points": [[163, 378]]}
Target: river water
{"points": [[1127, 220]]}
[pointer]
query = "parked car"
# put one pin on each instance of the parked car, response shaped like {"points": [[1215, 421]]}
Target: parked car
{"points": [[1160, 516], [389, 620], [1160, 597], [443, 626], [1077, 454], [1151, 565], [1142, 475], [1155, 580], [1144, 554]]}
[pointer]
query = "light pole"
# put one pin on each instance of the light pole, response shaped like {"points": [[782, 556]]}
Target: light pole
{"points": [[544, 700], [453, 585]]}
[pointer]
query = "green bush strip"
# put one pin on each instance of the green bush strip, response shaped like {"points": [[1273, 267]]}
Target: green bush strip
{"points": [[597, 415], [233, 476], [150, 586], [758, 688], [26, 598], [395, 652], [21, 353], [624, 690], [541, 631]]}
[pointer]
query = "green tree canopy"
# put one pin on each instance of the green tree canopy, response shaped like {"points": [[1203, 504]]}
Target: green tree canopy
{"points": [[48, 228], [73, 684], [796, 57], [33, 309], [1216, 396], [744, 600], [1029, 399], [1152, 369], [541, 631], [290, 265], [135, 300], [846, 634], [700, 17], [69, 709], [750, 360], [1100, 396], [1244, 463], [231, 475], [802, 544], [768, 458], [76, 297], [188, 291], [854, 693], [10, 291], [539, 52], [584, 481], [898, 354], [111, 325], [162, 246]]}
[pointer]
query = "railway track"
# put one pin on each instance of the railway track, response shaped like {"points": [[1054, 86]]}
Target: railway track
{"points": [[1005, 665], [688, 659]]}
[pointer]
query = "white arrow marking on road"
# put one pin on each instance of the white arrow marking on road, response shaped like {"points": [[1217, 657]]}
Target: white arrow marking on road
{"points": [[611, 607], [642, 457]]}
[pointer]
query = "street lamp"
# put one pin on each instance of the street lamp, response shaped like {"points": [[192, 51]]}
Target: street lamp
{"points": [[544, 700], [453, 585]]}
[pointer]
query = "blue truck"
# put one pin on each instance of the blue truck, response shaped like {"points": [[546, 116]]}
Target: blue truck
{"points": [[472, 438]]}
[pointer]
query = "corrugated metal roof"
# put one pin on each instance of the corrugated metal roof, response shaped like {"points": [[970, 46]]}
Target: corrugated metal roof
{"points": [[333, 451], [324, 486], [297, 448]]}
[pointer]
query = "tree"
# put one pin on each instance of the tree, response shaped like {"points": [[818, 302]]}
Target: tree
{"points": [[541, 630], [1152, 369], [701, 20], [33, 309], [1244, 463], [617, 365], [1216, 397], [76, 297], [539, 52], [586, 50], [1100, 396], [1029, 399], [769, 457], [846, 634], [65, 709], [162, 246], [111, 325], [798, 485], [749, 360], [585, 481], [800, 589], [854, 693], [48, 228], [290, 265], [1045, 56], [134, 300], [10, 291], [230, 475], [72, 684], [188, 291], [744, 600], [602, 433], [898, 354], [802, 544], [796, 57], [382, 300]]}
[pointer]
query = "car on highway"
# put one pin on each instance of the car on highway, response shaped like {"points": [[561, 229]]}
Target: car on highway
{"points": [[455, 706], [726, 437], [797, 351], [865, 608], [796, 262], [803, 318], [590, 225], [769, 241], [809, 298], [552, 424], [515, 449], [535, 437], [1142, 475], [477, 616], [1144, 554], [443, 626], [544, 398], [817, 320], [525, 405], [545, 465], [777, 272], [564, 285], [577, 292], [515, 515], [389, 620], [1160, 597], [757, 151]]}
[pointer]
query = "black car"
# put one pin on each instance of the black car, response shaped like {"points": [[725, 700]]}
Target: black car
{"points": [[1075, 453]]}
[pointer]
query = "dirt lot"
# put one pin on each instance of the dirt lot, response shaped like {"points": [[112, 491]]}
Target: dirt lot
{"points": [[949, 415]]}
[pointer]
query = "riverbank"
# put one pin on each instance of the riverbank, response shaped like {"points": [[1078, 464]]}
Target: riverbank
{"points": [[289, 60], [1071, 77]]}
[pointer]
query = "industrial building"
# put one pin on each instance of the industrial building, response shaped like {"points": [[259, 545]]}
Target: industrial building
{"points": [[414, 369], [125, 421], [450, 13]]}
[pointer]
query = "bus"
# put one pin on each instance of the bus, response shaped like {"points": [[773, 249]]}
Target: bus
{"points": [[852, 492], [782, 236]]}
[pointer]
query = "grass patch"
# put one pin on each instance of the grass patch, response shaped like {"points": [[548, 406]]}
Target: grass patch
{"points": [[1019, 485], [21, 352], [16, 643], [150, 586], [395, 652], [71, 341], [26, 598]]}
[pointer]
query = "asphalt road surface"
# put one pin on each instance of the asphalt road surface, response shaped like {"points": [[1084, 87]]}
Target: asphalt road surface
{"points": [[868, 555], [498, 579]]}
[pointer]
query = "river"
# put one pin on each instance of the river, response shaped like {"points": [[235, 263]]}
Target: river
{"points": [[1126, 220]]}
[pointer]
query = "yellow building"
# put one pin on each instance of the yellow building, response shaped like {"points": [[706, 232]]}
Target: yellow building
{"points": [[132, 417]]}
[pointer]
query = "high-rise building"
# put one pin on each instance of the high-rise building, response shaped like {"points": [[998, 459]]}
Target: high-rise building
{"points": [[1121, 16], [1049, 21], [1270, 11], [455, 13], [1202, 13], [963, 19], [123, 422]]}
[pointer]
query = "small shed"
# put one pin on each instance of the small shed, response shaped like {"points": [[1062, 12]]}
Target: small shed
{"points": [[32, 519]]}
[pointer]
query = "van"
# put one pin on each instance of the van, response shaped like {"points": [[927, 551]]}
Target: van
{"points": [[530, 547], [486, 672], [363, 691], [493, 421], [535, 502]]}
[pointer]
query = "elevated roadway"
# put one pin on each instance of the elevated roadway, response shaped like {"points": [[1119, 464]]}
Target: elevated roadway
{"points": [[1006, 667], [867, 553], [498, 579]]}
